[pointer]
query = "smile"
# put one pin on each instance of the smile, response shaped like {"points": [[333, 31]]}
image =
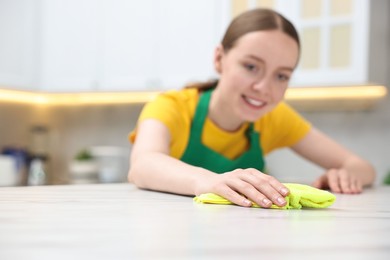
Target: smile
{"points": [[254, 102]]}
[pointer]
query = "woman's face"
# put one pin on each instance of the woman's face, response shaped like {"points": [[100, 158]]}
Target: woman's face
{"points": [[254, 74]]}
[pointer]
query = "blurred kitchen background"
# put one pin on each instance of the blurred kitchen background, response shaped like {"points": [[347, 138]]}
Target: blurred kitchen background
{"points": [[114, 55]]}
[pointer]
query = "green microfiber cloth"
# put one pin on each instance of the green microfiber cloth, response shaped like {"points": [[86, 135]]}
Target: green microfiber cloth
{"points": [[300, 196]]}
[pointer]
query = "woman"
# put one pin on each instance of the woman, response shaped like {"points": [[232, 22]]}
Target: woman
{"points": [[185, 137]]}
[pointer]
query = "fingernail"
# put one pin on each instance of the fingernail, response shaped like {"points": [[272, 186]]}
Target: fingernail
{"points": [[247, 202], [281, 201], [284, 191], [267, 202]]}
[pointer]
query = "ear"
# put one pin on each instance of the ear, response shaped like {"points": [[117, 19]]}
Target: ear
{"points": [[218, 54]]}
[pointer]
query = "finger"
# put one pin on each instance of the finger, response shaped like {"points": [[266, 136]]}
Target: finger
{"points": [[257, 178], [321, 182], [317, 183], [267, 185], [250, 192], [333, 180], [356, 186], [279, 200], [353, 186], [344, 181], [233, 196], [275, 197], [283, 190]]}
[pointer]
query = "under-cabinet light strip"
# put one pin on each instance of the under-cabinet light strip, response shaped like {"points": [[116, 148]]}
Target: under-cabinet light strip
{"points": [[293, 94]]}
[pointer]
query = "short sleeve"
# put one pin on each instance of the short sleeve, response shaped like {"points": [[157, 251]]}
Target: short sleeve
{"points": [[282, 127], [173, 108]]}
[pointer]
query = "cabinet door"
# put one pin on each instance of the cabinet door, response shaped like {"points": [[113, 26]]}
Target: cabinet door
{"points": [[188, 32], [129, 56], [69, 45], [17, 42], [156, 45], [334, 38]]}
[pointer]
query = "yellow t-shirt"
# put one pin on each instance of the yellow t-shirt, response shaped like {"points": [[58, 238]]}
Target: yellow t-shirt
{"points": [[282, 127]]}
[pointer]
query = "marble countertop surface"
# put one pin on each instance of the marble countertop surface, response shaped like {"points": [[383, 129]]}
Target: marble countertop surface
{"points": [[120, 221]]}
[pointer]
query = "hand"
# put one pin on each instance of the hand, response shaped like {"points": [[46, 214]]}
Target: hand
{"points": [[242, 186], [339, 181]]}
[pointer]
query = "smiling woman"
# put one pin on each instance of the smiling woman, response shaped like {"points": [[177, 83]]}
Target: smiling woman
{"points": [[212, 138]]}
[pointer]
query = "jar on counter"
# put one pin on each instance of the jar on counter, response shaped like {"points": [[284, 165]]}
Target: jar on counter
{"points": [[8, 174], [19, 159], [36, 173]]}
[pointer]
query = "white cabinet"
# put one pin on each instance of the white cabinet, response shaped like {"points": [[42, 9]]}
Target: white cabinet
{"points": [[17, 45], [188, 32], [128, 45], [108, 45], [335, 38], [158, 44], [335, 41], [68, 37], [123, 45], [48, 45]]}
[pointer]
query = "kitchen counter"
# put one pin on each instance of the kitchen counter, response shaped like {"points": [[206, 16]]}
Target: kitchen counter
{"points": [[119, 221]]}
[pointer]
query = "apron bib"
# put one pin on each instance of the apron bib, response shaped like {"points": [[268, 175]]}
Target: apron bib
{"points": [[200, 155]]}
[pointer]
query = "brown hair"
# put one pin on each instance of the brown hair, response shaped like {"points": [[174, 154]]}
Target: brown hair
{"points": [[251, 21], [257, 20]]}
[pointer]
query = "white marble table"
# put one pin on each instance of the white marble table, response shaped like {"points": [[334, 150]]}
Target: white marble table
{"points": [[119, 221]]}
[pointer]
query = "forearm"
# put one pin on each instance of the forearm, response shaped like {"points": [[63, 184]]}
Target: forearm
{"points": [[157, 171]]}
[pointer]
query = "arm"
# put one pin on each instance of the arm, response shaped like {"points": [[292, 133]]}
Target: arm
{"points": [[153, 168], [345, 171]]}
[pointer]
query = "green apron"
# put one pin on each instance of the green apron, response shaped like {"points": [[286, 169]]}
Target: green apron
{"points": [[198, 154]]}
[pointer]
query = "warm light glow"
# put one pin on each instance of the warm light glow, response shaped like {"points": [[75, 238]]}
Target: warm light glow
{"points": [[16, 96], [101, 98], [74, 99], [332, 93], [93, 98]]}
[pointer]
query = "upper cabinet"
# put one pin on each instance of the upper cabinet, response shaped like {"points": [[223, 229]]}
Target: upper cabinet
{"points": [[105, 45], [158, 44], [336, 38], [68, 38], [121, 45], [48, 45], [17, 45]]}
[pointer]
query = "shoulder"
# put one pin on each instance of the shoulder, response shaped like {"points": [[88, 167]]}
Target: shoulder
{"points": [[185, 94], [182, 97], [173, 108]]}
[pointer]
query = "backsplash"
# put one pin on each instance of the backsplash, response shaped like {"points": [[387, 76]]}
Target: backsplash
{"points": [[72, 128]]}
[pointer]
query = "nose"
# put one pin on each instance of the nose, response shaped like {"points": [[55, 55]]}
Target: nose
{"points": [[263, 85]]}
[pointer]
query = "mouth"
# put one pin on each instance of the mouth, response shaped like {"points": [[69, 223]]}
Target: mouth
{"points": [[254, 103]]}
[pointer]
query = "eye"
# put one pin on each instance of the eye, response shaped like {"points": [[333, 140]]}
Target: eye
{"points": [[283, 77], [250, 67]]}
